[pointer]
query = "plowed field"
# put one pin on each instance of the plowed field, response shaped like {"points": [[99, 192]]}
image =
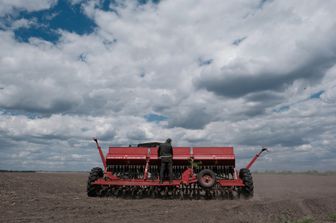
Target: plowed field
{"points": [[61, 197]]}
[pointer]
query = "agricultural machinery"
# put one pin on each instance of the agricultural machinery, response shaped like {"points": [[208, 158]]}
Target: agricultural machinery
{"points": [[198, 172]]}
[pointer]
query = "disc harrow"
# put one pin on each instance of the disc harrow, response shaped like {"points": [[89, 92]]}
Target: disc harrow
{"points": [[183, 192]]}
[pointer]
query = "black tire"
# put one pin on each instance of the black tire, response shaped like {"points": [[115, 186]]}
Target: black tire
{"points": [[95, 174], [248, 190], [206, 178]]}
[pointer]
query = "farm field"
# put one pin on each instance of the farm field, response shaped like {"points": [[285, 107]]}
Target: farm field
{"points": [[61, 197]]}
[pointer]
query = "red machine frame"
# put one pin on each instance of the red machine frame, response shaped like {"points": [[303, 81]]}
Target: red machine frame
{"points": [[149, 155]]}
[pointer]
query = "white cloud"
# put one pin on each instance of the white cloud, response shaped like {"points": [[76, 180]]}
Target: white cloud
{"points": [[8, 6], [223, 73]]}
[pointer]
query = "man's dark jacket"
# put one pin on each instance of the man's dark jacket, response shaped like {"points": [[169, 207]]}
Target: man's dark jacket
{"points": [[165, 150]]}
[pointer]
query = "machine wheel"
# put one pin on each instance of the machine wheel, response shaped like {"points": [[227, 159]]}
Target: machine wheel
{"points": [[95, 174], [206, 178], [246, 176]]}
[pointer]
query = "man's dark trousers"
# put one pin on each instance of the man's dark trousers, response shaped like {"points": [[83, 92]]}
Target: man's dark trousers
{"points": [[166, 163]]}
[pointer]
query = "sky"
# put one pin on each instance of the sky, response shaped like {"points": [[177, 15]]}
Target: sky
{"points": [[242, 73]]}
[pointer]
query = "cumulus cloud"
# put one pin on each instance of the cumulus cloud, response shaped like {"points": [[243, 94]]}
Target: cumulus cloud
{"points": [[272, 58], [238, 73], [8, 6]]}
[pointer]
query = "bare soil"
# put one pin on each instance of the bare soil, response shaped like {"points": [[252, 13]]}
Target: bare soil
{"points": [[61, 197]]}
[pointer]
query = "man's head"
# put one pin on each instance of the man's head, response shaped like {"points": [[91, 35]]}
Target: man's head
{"points": [[168, 140]]}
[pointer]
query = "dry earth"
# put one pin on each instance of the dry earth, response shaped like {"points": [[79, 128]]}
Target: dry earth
{"points": [[61, 197]]}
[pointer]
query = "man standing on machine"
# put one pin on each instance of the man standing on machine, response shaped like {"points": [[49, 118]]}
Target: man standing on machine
{"points": [[165, 154]]}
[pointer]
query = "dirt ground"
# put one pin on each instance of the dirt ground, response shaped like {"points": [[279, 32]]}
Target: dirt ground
{"points": [[61, 197]]}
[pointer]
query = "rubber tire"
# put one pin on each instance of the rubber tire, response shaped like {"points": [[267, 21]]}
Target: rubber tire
{"points": [[203, 173], [95, 174], [248, 190]]}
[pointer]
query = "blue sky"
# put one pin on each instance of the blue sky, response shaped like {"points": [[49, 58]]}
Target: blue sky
{"points": [[242, 73]]}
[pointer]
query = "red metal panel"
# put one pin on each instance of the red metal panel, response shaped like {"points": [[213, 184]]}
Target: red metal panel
{"points": [[208, 155], [213, 150], [231, 183], [122, 152], [214, 155], [126, 155], [179, 152]]}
